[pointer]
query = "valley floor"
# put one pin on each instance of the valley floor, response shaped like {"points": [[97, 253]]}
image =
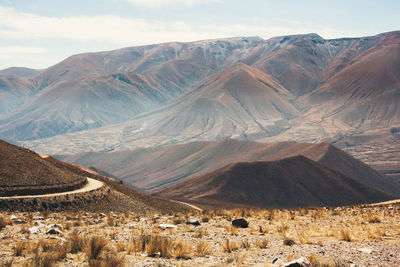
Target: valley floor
{"points": [[347, 236]]}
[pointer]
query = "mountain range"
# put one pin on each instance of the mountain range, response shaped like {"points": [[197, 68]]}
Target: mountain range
{"points": [[300, 87]]}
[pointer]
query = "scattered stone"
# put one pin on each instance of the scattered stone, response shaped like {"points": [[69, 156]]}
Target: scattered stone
{"points": [[13, 217], [167, 226], [301, 262], [365, 250], [20, 221], [54, 231], [102, 215], [34, 230], [240, 223], [193, 222], [38, 218], [277, 262]]}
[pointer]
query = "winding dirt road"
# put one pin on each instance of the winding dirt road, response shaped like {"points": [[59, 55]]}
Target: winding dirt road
{"points": [[386, 202], [91, 185]]}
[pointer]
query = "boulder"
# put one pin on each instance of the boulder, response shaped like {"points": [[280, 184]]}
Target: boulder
{"points": [[34, 230], [301, 262], [167, 226], [193, 222], [240, 223], [53, 231]]}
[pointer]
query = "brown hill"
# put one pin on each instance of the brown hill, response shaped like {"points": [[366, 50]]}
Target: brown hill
{"points": [[25, 172], [181, 162], [291, 182]]}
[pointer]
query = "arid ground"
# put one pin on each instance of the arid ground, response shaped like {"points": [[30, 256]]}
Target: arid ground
{"points": [[346, 236]]}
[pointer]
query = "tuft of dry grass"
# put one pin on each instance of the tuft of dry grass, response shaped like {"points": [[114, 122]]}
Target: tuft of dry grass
{"points": [[182, 250], [229, 246], [3, 222], [19, 248], [245, 244], [202, 248], [317, 261], [345, 235], [77, 242], [110, 260], [263, 244], [158, 245], [95, 246]]}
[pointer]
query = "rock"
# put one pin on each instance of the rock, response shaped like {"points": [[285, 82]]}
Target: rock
{"points": [[167, 226], [277, 262], [34, 230], [193, 222], [54, 231], [240, 223], [20, 221], [301, 262], [365, 250]]}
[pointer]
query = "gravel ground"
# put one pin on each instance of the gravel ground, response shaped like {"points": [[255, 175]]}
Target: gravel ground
{"points": [[351, 236]]}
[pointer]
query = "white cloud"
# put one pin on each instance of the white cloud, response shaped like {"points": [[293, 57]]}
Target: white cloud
{"points": [[127, 31], [89, 33], [162, 3]]}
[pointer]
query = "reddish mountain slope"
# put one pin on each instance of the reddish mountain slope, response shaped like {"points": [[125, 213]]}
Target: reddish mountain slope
{"points": [[177, 163], [290, 182]]}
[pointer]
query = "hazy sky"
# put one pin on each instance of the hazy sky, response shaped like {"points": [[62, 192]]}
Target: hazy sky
{"points": [[39, 33]]}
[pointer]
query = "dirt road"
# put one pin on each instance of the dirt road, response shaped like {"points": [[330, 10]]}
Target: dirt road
{"points": [[91, 185]]}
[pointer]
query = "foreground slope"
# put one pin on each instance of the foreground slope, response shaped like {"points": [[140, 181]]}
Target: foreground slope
{"points": [[23, 172], [290, 182], [176, 163]]}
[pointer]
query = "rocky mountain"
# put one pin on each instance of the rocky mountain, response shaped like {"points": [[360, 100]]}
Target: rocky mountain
{"points": [[288, 183], [300, 87], [14, 92], [91, 90], [177, 163], [18, 72]]}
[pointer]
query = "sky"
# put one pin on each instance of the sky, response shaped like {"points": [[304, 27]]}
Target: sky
{"points": [[40, 33]]}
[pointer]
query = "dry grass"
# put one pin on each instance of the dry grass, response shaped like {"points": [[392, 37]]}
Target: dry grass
{"points": [[95, 246], [77, 242], [19, 248], [110, 260], [317, 261], [263, 243], [3, 222], [268, 228], [229, 246], [345, 235], [159, 246], [182, 250], [202, 248]]}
